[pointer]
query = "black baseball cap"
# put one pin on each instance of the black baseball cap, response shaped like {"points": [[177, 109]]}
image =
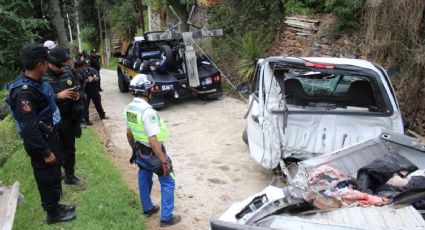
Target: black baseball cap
{"points": [[34, 52], [57, 56], [79, 64]]}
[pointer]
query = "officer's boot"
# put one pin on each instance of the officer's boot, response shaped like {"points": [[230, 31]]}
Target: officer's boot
{"points": [[59, 215], [67, 207], [71, 179]]}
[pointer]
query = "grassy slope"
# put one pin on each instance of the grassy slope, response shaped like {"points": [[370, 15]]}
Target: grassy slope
{"points": [[106, 202], [9, 139]]}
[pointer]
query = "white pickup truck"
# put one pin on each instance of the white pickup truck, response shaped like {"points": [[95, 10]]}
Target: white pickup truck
{"points": [[300, 108]]}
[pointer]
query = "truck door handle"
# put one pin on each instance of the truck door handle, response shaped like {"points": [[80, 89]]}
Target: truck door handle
{"points": [[255, 118]]}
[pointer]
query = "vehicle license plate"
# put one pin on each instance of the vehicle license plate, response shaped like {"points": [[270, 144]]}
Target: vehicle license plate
{"points": [[208, 80], [167, 87]]}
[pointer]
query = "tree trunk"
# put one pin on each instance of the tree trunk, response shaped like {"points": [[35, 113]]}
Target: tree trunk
{"points": [[107, 46], [59, 24], [80, 48], [100, 30], [139, 6]]}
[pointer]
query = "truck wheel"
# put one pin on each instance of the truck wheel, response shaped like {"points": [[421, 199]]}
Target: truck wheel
{"points": [[122, 85], [245, 136], [168, 56]]}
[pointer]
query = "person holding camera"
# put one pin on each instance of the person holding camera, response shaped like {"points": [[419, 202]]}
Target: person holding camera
{"points": [[69, 98], [92, 78]]}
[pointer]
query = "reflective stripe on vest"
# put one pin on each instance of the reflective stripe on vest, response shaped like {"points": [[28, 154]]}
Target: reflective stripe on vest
{"points": [[133, 115]]}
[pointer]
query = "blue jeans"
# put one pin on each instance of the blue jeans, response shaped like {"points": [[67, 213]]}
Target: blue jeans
{"points": [[167, 193]]}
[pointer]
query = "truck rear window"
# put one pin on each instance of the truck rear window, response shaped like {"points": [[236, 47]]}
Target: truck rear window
{"points": [[324, 91]]}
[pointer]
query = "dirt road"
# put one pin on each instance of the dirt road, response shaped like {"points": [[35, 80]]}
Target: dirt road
{"points": [[212, 164]]}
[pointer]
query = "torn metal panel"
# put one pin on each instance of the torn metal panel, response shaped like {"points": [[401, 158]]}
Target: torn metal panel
{"points": [[309, 135], [378, 218], [349, 160]]}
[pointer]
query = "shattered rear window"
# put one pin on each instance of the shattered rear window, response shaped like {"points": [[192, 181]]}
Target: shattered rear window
{"points": [[330, 91]]}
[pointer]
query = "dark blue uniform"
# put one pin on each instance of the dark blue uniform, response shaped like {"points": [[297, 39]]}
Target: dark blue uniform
{"points": [[92, 92], [37, 116], [71, 112]]}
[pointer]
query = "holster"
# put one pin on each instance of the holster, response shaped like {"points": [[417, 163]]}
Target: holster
{"points": [[46, 129]]}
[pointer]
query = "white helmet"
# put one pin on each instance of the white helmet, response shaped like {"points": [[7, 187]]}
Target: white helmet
{"points": [[49, 44], [141, 83]]}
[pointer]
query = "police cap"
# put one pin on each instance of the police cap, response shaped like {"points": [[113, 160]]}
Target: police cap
{"points": [[34, 52], [57, 56], [78, 64]]}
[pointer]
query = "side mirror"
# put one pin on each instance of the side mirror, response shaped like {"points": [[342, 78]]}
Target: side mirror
{"points": [[242, 88], [117, 54]]}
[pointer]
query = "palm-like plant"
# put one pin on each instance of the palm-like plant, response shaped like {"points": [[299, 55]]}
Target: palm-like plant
{"points": [[249, 47]]}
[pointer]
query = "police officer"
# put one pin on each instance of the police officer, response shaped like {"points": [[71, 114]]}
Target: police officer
{"points": [[95, 64], [146, 133], [33, 106], [78, 65], [94, 60], [68, 95], [92, 78]]}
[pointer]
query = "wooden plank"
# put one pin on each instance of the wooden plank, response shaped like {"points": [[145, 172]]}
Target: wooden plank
{"points": [[302, 25], [303, 19], [8, 203]]}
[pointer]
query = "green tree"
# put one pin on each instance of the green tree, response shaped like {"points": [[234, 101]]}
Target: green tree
{"points": [[123, 19], [19, 26], [182, 8]]}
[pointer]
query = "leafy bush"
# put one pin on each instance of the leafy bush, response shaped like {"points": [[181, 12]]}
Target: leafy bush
{"points": [[10, 139], [4, 110], [16, 18], [123, 19], [89, 34], [239, 19], [249, 48]]}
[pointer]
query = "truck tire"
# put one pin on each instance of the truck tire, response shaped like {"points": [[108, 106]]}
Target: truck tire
{"points": [[168, 56], [122, 85], [245, 136]]}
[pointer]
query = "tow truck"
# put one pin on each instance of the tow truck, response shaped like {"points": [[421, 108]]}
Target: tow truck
{"points": [[170, 58]]}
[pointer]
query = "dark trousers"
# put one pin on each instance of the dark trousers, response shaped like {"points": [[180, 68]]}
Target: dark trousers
{"points": [[48, 177], [93, 94], [67, 145]]}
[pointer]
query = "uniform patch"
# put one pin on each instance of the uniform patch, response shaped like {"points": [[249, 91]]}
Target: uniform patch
{"points": [[26, 106], [131, 117], [153, 119], [69, 82]]}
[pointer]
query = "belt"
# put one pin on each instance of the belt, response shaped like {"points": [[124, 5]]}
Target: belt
{"points": [[145, 150]]}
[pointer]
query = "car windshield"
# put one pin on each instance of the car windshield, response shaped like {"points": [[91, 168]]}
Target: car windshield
{"points": [[330, 91]]}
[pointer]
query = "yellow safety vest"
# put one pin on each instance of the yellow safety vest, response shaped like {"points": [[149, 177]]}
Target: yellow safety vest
{"points": [[133, 114]]}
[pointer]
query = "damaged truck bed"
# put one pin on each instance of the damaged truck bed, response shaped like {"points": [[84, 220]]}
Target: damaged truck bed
{"points": [[276, 208]]}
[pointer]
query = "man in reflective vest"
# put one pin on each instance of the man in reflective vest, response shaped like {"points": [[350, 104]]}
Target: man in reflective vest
{"points": [[146, 133], [37, 116]]}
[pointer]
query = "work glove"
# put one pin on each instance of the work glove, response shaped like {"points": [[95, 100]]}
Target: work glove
{"points": [[166, 168]]}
